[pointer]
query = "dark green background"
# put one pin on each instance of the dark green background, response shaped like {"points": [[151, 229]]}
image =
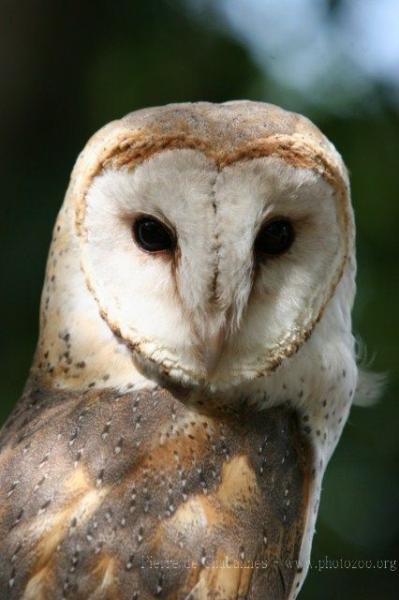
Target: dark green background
{"points": [[68, 68]]}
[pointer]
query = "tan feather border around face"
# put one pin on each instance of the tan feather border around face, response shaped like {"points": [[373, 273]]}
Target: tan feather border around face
{"points": [[127, 149]]}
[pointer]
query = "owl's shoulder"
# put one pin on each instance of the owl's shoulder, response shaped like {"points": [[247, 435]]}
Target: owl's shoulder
{"points": [[138, 496]]}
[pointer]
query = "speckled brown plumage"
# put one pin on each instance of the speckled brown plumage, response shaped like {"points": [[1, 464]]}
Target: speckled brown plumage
{"points": [[136, 497]]}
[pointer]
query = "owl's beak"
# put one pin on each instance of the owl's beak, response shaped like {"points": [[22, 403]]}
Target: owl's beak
{"points": [[213, 345]]}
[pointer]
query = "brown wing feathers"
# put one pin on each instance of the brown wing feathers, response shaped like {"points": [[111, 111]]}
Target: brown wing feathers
{"points": [[138, 497]]}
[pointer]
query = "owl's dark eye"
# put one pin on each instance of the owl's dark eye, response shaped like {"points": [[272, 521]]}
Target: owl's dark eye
{"points": [[275, 237], [152, 235]]}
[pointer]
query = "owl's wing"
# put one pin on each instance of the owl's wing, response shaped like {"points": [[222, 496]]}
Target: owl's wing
{"points": [[137, 497]]}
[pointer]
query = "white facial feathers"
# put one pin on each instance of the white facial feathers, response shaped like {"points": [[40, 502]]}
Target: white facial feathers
{"points": [[212, 310]]}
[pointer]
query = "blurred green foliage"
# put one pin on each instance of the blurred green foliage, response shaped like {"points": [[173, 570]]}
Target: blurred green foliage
{"points": [[68, 68]]}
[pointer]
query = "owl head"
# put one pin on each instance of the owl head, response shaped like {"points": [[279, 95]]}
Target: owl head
{"points": [[198, 244]]}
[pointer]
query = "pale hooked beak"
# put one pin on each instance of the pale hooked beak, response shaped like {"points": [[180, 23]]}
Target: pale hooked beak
{"points": [[213, 345]]}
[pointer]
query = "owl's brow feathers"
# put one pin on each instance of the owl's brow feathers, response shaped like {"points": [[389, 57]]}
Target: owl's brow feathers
{"points": [[135, 149]]}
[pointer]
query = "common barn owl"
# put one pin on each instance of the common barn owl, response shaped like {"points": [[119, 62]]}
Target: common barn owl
{"points": [[195, 365]]}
